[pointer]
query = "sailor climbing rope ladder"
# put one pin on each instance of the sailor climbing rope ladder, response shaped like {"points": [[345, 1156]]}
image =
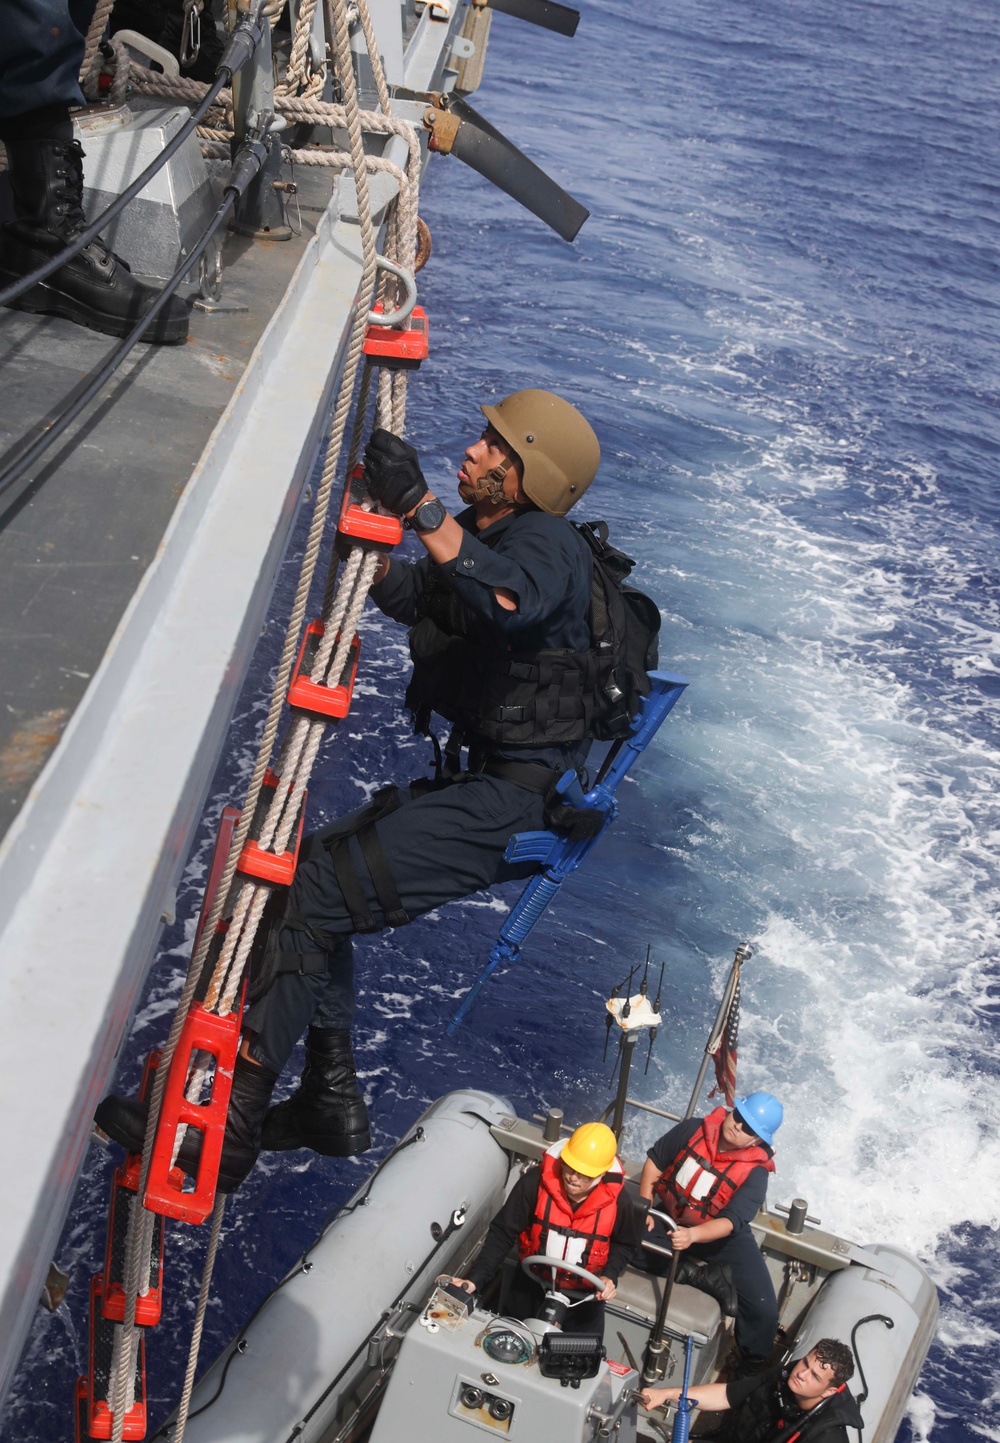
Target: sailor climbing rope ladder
{"points": [[526, 640]]}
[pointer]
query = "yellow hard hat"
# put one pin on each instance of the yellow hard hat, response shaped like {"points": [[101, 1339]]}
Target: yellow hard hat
{"points": [[557, 446], [591, 1150]]}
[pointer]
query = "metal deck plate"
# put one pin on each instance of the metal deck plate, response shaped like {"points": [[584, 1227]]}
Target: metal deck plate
{"points": [[78, 535]]}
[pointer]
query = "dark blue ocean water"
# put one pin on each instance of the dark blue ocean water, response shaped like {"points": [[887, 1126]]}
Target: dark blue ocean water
{"points": [[782, 320]]}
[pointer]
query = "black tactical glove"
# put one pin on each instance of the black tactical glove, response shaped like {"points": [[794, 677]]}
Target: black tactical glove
{"points": [[392, 473]]}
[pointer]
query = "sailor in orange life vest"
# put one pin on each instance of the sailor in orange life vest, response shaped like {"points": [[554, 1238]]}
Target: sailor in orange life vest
{"points": [[808, 1400], [573, 1207], [710, 1176]]}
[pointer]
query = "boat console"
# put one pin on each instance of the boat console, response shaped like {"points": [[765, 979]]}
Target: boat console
{"points": [[459, 1370]]}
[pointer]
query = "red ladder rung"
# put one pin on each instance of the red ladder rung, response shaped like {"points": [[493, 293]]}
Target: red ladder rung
{"points": [[148, 1306], [398, 348], [358, 527], [220, 1036], [278, 868], [313, 696], [100, 1419]]}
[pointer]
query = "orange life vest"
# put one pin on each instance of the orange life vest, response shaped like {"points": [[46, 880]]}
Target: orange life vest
{"points": [[581, 1235], [701, 1179]]}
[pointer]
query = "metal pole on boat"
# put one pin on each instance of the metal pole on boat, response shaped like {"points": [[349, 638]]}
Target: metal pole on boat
{"points": [[658, 1347], [627, 1043], [743, 953], [632, 1016]]}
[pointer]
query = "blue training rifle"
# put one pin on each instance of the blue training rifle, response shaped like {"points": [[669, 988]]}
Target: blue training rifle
{"points": [[557, 854], [682, 1423]]}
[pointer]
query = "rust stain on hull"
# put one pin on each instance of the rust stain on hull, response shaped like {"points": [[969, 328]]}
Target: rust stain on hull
{"points": [[27, 750]]}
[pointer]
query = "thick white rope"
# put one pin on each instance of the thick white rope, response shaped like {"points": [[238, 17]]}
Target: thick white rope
{"points": [[300, 78], [300, 752], [95, 32], [345, 615], [199, 1319]]}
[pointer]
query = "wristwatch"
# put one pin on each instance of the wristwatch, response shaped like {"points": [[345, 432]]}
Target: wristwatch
{"points": [[428, 516]]}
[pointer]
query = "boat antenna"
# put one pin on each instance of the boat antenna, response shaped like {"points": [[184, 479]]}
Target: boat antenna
{"points": [[609, 1022], [656, 1008], [631, 1018], [626, 1009], [627, 1004]]}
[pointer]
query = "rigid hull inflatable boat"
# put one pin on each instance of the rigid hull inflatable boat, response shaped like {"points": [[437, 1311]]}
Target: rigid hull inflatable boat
{"points": [[359, 1341]]}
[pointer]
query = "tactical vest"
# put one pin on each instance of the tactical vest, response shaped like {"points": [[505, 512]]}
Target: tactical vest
{"points": [[497, 695], [581, 1235], [702, 1179]]}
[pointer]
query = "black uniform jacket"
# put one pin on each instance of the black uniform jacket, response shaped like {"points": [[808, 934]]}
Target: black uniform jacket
{"points": [[541, 559], [768, 1413]]}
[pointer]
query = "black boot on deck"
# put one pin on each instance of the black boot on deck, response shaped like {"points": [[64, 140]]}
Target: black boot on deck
{"points": [[95, 288], [124, 1120], [715, 1279], [327, 1113]]}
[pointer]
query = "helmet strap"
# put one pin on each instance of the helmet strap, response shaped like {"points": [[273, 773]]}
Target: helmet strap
{"points": [[492, 488]]}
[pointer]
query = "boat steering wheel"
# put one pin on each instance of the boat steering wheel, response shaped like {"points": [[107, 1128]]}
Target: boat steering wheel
{"points": [[534, 1265]]}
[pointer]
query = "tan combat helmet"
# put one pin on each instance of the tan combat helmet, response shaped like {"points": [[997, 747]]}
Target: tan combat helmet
{"points": [[557, 446]]}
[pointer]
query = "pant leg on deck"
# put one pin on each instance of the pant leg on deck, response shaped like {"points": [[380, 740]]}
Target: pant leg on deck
{"points": [[41, 51], [757, 1306]]}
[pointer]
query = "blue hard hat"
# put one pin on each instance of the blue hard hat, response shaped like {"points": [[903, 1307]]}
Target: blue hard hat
{"points": [[763, 1112]]}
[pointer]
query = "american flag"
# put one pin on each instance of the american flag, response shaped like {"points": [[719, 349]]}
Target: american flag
{"points": [[722, 1046]]}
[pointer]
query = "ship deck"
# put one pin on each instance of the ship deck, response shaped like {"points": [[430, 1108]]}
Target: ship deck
{"points": [[78, 534]]}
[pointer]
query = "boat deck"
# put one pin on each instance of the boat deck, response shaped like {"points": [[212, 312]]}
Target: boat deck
{"points": [[77, 535]]}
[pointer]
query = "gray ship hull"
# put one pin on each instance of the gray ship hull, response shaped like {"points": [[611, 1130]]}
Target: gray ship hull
{"points": [[103, 809]]}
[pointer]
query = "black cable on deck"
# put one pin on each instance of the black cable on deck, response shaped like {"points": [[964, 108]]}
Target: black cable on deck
{"points": [[242, 44], [245, 167]]}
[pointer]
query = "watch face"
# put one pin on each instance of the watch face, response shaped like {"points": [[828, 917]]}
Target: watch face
{"points": [[428, 516]]}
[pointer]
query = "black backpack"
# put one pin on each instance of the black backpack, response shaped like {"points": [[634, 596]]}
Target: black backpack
{"points": [[624, 625]]}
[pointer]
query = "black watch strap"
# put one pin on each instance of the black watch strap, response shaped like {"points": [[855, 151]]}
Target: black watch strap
{"points": [[428, 516]]}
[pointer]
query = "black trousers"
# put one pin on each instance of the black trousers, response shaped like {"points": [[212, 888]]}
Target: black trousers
{"points": [[439, 846], [41, 51], [756, 1305]]}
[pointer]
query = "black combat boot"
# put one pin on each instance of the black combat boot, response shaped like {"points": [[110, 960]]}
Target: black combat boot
{"points": [[715, 1279], [124, 1120], [327, 1113], [95, 288]]}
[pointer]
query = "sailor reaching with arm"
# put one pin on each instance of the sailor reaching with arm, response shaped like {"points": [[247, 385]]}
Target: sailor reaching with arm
{"points": [[808, 1400]]}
